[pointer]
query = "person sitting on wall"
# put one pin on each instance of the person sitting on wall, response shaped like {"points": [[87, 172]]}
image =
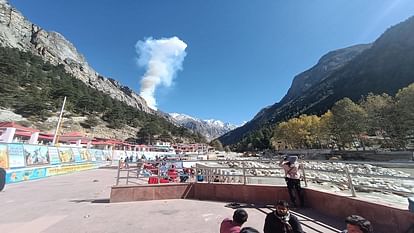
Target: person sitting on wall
{"points": [[357, 224], [281, 220], [216, 179], [292, 177], [184, 175], [234, 226]]}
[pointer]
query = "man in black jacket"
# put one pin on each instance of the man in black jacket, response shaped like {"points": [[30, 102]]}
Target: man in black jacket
{"points": [[282, 221]]}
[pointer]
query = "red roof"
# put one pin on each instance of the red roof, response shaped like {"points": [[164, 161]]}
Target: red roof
{"points": [[68, 137], [102, 143], [24, 134], [73, 134], [83, 141], [46, 136], [17, 127], [110, 142]]}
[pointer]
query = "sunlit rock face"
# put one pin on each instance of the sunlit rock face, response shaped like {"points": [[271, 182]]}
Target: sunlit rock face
{"points": [[17, 32]]}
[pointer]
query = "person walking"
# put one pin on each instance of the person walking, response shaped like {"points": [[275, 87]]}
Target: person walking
{"points": [[281, 220], [290, 165]]}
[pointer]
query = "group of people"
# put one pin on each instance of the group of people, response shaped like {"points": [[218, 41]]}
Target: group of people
{"points": [[279, 221], [282, 221]]}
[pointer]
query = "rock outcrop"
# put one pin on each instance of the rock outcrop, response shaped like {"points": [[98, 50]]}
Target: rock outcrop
{"points": [[17, 32]]}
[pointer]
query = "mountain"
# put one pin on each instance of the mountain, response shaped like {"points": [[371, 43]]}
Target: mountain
{"points": [[210, 129], [384, 66], [38, 68], [17, 32]]}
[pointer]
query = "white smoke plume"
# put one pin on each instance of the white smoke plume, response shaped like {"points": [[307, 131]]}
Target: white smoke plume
{"points": [[162, 58]]}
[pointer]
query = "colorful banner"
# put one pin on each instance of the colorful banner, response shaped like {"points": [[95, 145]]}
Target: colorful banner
{"points": [[52, 171], [107, 155], [76, 155], [98, 154], [85, 155], [130, 155], [119, 154], [16, 156], [92, 154], [54, 155], [66, 155], [37, 173], [35, 155], [23, 175], [4, 162]]}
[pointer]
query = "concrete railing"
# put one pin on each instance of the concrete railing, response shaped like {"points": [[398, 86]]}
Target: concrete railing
{"points": [[265, 171]]}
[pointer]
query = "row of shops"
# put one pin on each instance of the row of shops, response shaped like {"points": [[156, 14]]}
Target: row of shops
{"points": [[10, 132]]}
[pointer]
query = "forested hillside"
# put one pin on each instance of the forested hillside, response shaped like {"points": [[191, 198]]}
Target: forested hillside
{"points": [[35, 89]]}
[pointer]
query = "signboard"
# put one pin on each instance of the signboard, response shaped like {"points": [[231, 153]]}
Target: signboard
{"points": [[54, 155], [52, 171], [35, 155], [130, 155], [107, 155], [92, 154], [98, 154], [4, 162], [119, 154], [66, 155], [16, 156], [76, 155], [23, 175], [85, 155]]}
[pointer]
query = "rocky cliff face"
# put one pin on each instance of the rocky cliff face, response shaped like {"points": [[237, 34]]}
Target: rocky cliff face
{"points": [[328, 63], [18, 32], [326, 66], [383, 67], [211, 129]]}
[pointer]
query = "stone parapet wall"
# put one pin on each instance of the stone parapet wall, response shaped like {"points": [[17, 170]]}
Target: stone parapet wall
{"points": [[385, 218]]}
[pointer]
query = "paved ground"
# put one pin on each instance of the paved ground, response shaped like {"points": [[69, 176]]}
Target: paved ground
{"points": [[78, 202]]}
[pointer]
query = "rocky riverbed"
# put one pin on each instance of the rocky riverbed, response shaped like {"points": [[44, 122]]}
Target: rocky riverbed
{"points": [[365, 177]]}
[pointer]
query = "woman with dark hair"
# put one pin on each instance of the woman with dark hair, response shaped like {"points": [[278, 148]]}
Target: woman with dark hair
{"points": [[248, 230], [234, 225], [357, 224]]}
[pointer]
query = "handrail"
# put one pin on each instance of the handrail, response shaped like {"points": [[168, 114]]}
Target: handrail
{"points": [[209, 171]]}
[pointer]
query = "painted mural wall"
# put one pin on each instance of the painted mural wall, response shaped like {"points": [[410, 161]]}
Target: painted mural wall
{"points": [[28, 162]]}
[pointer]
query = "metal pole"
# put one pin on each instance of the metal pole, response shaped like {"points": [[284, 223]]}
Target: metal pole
{"points": [[208, 175], [244, 174], [304, 175], [196, 173], [159, 175], [351, 186], [119, 171], [59, 122], [127, 175]]}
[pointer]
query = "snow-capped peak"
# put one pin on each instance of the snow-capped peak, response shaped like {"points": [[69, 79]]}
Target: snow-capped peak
{"points": [[209, 128]]}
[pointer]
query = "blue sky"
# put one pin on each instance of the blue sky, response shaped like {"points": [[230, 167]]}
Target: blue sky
{"points": [[241, 55]]}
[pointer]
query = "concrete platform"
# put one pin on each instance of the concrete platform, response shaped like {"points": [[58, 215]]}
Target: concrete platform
{"points": [[79, 202]]}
